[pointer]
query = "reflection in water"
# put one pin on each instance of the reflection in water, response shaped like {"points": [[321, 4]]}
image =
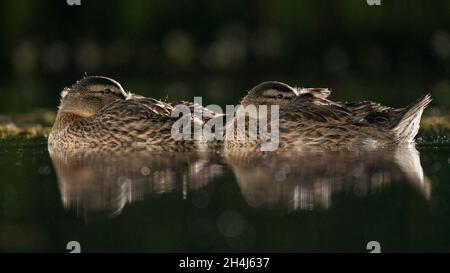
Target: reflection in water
{"points": [[308, 180], [98, 183], [94, 183]]}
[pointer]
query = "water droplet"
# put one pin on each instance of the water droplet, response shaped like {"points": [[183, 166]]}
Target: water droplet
{"points": [[230, 223], [145, 171], [245, 240]]}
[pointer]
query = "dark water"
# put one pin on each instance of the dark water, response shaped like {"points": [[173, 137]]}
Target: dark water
{"points": [[317, 202]]}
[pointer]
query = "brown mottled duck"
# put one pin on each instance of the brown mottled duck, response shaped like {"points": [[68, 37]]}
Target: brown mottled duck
{"points": [[308, 118], [96, 113]]}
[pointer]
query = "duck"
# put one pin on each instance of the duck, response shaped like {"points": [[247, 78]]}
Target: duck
{"points": [[309, 118], [97, 114]]}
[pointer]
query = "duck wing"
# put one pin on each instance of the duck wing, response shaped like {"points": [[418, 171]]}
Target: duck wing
{"points": [[136, 109], [313, 104], [141, 122], [369, 112]]}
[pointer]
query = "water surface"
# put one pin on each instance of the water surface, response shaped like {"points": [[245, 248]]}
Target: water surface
{"points": [[321, 202]]}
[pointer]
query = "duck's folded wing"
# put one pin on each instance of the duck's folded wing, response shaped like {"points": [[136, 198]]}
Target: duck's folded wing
{"points": [[312, 104], [137, 109], [319, 112], [135, 118], [367, 111]]}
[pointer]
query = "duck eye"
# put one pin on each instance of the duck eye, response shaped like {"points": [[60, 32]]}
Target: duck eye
{"points": [[108, 91], [280, 96]]}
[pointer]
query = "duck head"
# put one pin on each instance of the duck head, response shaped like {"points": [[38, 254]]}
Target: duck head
{"points": [[89, 95], [270, 93]]}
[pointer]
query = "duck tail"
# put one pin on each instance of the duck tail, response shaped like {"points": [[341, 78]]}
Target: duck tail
{"points": [[407, 126]]}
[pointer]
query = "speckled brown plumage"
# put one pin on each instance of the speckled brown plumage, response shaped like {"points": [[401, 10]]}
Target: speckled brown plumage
{"points": [[308, 119], [97, 114]]}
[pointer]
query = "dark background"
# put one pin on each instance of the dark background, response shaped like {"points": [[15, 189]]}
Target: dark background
{"points": [[390, 53]]}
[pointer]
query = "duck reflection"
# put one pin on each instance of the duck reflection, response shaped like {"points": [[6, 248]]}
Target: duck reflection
{"points": [[103, 184], [98, 185], [308, 180]]}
